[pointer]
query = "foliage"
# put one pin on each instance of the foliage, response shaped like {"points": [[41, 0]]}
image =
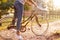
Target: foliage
{"points": [[5, 4], [27, 7]]}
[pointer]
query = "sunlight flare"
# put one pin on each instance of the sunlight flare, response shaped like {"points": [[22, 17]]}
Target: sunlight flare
{"points": [[56, 3]]}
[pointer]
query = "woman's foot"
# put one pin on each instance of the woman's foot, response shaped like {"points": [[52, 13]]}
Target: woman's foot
{"points": [[19, 37]]}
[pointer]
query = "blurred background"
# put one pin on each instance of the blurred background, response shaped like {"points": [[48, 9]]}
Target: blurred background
{"points": [[52, 12]]}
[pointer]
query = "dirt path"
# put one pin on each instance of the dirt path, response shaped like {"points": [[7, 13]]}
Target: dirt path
{"points": [[28, 35]]}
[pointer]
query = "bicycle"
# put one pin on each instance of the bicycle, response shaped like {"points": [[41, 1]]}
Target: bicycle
{"points": [[34, 17], [28, 20], [41, 35]]}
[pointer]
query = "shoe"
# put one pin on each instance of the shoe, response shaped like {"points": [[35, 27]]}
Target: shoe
{"points": [[19, 37]]}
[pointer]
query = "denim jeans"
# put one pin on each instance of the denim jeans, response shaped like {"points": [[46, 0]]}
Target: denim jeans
{"points": [[18, 14]]}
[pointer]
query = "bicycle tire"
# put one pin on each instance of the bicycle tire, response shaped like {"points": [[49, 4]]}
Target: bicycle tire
{"points": [[40, 30]]}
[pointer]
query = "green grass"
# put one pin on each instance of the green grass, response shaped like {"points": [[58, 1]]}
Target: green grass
{"points": [[5, 23]]}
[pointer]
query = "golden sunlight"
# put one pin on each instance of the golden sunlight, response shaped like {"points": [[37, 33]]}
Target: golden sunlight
{"points": [[56, 3]]}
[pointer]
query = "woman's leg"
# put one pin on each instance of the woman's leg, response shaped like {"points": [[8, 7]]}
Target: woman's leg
{"points": [[19, 12], [19, 16], [19, 8]]}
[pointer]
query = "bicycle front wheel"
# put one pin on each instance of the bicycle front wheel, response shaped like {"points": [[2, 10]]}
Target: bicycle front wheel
{"points": [[39, 25]]}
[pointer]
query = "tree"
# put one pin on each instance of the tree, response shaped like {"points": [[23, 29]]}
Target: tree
{"points": [[4, 6]]}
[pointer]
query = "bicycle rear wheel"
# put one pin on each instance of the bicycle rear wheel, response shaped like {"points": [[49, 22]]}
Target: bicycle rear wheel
{"points": [[39, 25]]}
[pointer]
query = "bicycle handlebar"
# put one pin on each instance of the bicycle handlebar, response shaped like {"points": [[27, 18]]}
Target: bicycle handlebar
{"points": [[42, 9]]}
